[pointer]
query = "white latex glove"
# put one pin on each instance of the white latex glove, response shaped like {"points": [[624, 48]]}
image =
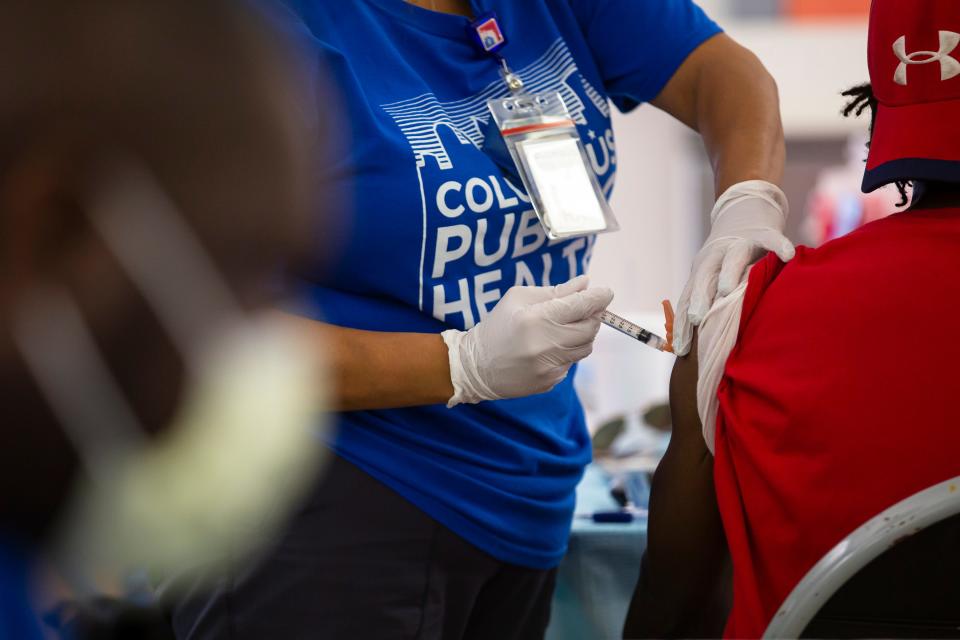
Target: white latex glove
{"points": [[715, 341], [528, 342], [747, 221]]}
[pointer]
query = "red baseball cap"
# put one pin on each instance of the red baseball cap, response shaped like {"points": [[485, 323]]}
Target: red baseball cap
{"points": [[914, 58]]}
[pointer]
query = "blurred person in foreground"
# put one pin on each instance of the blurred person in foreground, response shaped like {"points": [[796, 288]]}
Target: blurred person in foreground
{"points": [[154, 181], [821, 391]]}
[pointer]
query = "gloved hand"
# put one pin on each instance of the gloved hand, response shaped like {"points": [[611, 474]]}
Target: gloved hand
{"points": [[528, 342], [747, 221]]}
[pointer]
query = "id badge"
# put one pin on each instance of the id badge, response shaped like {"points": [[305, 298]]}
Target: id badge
{"points": [[552, 163]]}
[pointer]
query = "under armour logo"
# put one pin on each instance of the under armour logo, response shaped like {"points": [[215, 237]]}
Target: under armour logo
{"points": [[949, 67]]}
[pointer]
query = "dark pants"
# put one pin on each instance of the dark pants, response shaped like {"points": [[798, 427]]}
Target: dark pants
{"points": [[361, 562]]}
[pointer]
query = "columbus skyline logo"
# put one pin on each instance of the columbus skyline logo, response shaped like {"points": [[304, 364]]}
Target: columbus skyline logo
{"points": [[420, 118]]}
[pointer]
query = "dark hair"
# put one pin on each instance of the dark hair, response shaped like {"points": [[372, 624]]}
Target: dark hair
{"points": [[861, 97]]}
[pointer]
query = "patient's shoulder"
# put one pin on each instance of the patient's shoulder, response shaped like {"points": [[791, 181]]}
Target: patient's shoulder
{"points": [[762, 275]]}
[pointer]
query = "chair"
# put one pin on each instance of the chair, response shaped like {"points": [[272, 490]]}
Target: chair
{"points": [[898, 575]]}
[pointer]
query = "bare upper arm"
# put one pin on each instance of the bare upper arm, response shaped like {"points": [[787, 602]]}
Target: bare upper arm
{"points": [[687, 429], [679, 96], [683, 587]]}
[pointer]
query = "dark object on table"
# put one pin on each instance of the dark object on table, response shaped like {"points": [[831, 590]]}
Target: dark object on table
{"points": [[619, 493], [612, 517], [631, 489]]}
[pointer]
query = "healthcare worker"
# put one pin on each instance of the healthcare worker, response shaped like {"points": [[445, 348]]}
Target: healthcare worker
{"points": [[455, 322]]}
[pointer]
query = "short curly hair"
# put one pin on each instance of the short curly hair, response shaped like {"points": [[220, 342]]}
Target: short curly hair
{"points": [[861, 98]]}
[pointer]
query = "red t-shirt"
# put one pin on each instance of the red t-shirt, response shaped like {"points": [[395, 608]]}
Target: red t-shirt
{"points": [[837, 400]]}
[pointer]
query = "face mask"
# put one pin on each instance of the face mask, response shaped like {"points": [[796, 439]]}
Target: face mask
{"points": [[245, 442]]}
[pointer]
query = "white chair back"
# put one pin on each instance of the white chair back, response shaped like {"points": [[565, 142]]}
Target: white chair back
{"points": [[859, 549]]}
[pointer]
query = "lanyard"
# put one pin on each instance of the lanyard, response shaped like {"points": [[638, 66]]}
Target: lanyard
{"points": [[547, 152], [489, 37]]}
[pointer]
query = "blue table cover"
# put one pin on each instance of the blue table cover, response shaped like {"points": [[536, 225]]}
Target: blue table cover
{"points": [[597, 576]]}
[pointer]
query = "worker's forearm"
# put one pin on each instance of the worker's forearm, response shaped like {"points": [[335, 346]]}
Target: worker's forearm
{"points": [[380, 370], [738, 115]]}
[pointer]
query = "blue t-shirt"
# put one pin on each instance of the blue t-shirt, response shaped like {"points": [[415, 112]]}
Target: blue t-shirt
{"points": [[437, 233]]}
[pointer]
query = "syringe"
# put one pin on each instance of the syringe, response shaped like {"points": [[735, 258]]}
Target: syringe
{"points": [[635, 331]]}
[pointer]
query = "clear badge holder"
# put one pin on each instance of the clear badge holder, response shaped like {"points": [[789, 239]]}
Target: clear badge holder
{"points": [[543, 141]]}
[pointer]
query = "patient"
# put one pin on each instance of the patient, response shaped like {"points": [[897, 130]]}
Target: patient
{"points": [[822, 390]]}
